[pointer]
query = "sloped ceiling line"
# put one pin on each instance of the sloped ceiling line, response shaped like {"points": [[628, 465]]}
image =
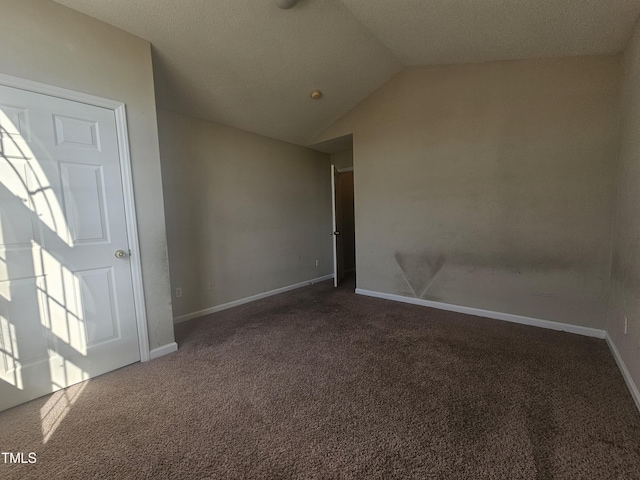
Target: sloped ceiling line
{"points": [[251, 65]]}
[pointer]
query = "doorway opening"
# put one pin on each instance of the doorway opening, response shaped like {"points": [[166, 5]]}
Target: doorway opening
{"points": [[340, 150], [343, 206]]}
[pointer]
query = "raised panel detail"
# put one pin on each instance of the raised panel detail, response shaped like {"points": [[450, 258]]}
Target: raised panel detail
{"points": [[85, 203], [14, 121], [16, 226], [76, 132], [97, 295], [23, 332], [14, 132], [16, 221]]}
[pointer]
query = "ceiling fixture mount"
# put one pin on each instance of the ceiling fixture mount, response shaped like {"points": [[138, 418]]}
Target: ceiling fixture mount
{"points": [[316, 94], [286, 4]]}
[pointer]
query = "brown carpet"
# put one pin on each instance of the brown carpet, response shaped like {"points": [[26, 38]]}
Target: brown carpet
{"points": [[318, 383]]}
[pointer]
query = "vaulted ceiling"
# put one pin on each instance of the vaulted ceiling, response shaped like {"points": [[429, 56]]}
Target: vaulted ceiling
{"points": [[251, 65]]}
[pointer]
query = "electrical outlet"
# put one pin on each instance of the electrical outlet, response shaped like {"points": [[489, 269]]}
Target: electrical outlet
{"points": [[179, 292], [625, 324], [317, 263], [212, 286]]}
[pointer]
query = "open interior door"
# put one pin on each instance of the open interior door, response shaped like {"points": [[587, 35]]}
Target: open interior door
{"points": [[336, 210]]}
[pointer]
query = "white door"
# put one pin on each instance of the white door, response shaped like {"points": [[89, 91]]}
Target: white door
{"points": [[66, 300], [336, 211]]}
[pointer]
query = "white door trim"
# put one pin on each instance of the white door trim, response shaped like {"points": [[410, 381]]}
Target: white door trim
{"points": [[127, 187]]}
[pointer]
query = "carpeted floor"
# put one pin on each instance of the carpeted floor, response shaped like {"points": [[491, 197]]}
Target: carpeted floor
{"points": [[319, 383]]}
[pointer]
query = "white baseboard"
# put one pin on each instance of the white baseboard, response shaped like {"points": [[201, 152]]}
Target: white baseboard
{"points": [[633, 388], [163, 350], [252, 298], [508, 317]]}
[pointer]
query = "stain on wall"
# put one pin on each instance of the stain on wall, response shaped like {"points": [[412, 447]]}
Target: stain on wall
{"points": [[419, 270], [490, 185]]}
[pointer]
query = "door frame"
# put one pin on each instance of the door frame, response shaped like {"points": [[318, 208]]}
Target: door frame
{"points": [[119, 110], [334, 216], [334, 225]]}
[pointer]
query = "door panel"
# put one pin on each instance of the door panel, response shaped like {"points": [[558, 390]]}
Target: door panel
{"points": [[99, 312], [24, 343], [66, 302], [76, 131], [22, 339], [84, 200]]}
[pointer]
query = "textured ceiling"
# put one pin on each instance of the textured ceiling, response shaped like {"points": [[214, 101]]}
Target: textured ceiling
{"points": [[431, 32], [248, 64]]}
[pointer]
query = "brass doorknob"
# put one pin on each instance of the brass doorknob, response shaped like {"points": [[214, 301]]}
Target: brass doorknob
{"points": [[121, 254]]}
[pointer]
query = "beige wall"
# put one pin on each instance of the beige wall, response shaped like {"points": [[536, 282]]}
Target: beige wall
{"points": [[45, 42], [489, 185], [246, 212], [347, 228], [343, 159], [625, 270]]}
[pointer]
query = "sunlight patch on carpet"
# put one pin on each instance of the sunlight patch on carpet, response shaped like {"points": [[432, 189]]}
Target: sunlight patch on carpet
{"points": [[57, 407]]}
